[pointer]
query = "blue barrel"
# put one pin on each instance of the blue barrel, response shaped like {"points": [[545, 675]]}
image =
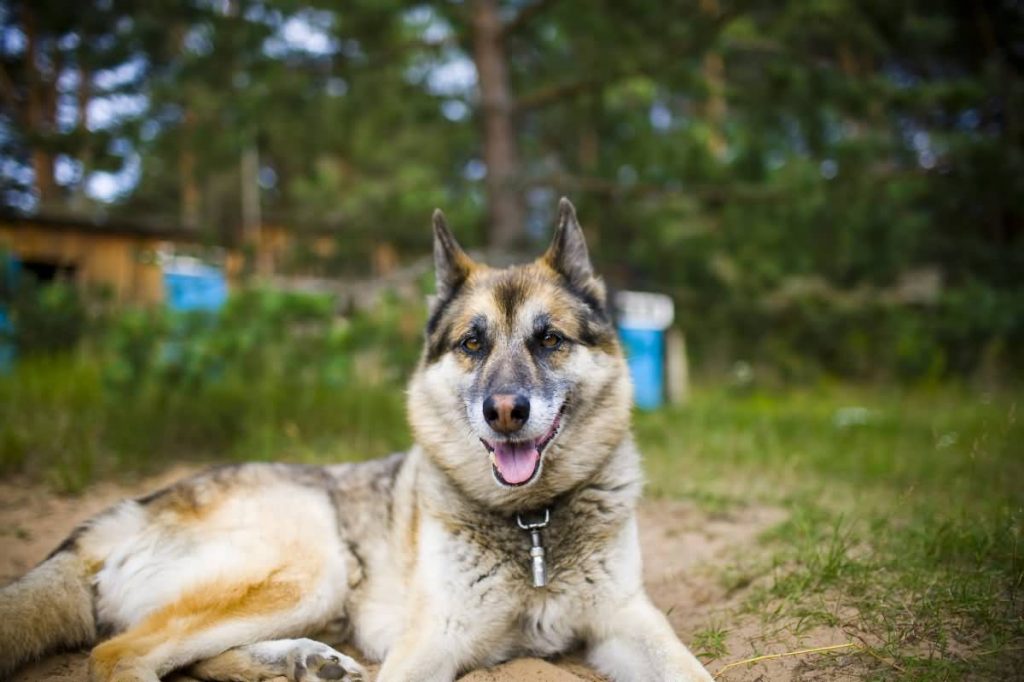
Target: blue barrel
{"points": [[195, 287], [6, 342], [645, 352], [10, 269]]}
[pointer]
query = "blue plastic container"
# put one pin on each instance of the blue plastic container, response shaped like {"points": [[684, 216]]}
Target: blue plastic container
{"points": [[6, 344], [10, 269], [645, 352], [195, 287]]}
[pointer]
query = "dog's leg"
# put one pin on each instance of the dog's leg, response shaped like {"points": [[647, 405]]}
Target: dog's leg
{"points": [[637, 643], [299, 660], [420, 657], [205, 623], [441, 642]]}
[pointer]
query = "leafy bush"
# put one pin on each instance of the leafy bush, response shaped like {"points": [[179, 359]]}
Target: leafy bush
{"points": [[966, 333], [272, 374], [45, 319]]}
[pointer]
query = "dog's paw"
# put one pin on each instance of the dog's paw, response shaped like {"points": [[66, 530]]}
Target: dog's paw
{"points": [[131, 673], [316, 662]]}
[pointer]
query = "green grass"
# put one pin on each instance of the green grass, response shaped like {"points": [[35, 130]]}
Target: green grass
{"points": [[61, 422], [709, 642], [905, 516]]}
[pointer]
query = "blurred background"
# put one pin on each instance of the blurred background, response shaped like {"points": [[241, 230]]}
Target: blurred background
{"points": [[215, 245], [200, 197]]}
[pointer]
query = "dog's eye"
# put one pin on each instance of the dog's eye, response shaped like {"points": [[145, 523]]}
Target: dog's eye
{"points": [[551, 341], [472, 344]]}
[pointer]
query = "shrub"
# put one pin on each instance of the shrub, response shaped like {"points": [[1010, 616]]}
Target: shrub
{"points": [[272, 374]]}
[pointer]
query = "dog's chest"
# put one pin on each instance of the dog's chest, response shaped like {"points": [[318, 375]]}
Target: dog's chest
{"points": [[490, 579], [545, 627], [553, 620]]}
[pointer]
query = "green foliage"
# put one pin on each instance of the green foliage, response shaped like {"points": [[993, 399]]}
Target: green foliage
{"points": [[722, 151], [51, 420], [961, 334], [45, 319], [274, 374]]}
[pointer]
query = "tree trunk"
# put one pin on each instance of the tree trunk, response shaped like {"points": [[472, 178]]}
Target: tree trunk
{"points": [[85, 153], [713, 69], [187, 173], [38, 127], [188, 182], [507, 228]]}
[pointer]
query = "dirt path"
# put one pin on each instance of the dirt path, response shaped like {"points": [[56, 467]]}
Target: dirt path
{"points": [[684, 552]]}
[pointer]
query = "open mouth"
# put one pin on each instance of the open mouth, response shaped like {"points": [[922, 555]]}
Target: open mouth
{"points": [[516, 462]]}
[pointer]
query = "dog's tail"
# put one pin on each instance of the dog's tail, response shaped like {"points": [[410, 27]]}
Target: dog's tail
{"points": [[49, 608]]}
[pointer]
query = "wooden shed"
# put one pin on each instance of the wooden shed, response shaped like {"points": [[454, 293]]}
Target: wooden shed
{"points": [[117, 255]]}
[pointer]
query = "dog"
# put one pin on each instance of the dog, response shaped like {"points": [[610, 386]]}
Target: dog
{"points": [[508, 529]]}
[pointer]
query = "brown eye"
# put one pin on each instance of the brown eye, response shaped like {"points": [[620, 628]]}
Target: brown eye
{"points": [[471, 344], [551, 341]]}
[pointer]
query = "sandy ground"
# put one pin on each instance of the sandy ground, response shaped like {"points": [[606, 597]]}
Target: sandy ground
{"points": [[685, 553]]}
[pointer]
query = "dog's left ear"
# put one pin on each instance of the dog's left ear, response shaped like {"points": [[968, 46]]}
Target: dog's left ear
{"points": [[568, 254]]}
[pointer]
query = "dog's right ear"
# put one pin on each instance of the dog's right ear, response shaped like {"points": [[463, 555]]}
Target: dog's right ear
{"points": [[451, 264]]}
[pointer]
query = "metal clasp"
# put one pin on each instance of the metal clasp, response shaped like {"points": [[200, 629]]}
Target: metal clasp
{"points": [[525, 525], [538, 566]]}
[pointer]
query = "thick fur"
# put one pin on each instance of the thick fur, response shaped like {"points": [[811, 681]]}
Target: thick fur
{"points": [[48, 608], [417, 558]]}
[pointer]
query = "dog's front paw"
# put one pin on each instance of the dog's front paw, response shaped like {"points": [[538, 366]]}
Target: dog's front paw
{"points": [[316, 662]]}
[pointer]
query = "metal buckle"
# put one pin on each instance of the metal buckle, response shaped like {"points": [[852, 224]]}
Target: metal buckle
{"points": [[536, 524]]}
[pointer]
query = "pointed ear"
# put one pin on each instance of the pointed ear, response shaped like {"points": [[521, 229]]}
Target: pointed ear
{"points": [[451, 264], [568, 255]]}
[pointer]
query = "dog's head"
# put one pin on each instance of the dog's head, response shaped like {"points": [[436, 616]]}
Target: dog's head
{"points": [[522, 391]]}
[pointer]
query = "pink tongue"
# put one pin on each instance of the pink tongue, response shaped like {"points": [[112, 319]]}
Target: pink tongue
{"points": [[516, 462]]}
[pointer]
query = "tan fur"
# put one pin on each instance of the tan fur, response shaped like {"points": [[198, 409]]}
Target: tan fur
{"points": [[206, 606], [185, 505]]}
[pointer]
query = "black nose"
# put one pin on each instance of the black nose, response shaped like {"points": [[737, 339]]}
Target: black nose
{"points": [[506, 412]]}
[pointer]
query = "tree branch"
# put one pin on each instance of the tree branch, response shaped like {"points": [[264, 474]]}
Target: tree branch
{"points": [[526, 15], [9, 94], [553, 93], [715, 193]]}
